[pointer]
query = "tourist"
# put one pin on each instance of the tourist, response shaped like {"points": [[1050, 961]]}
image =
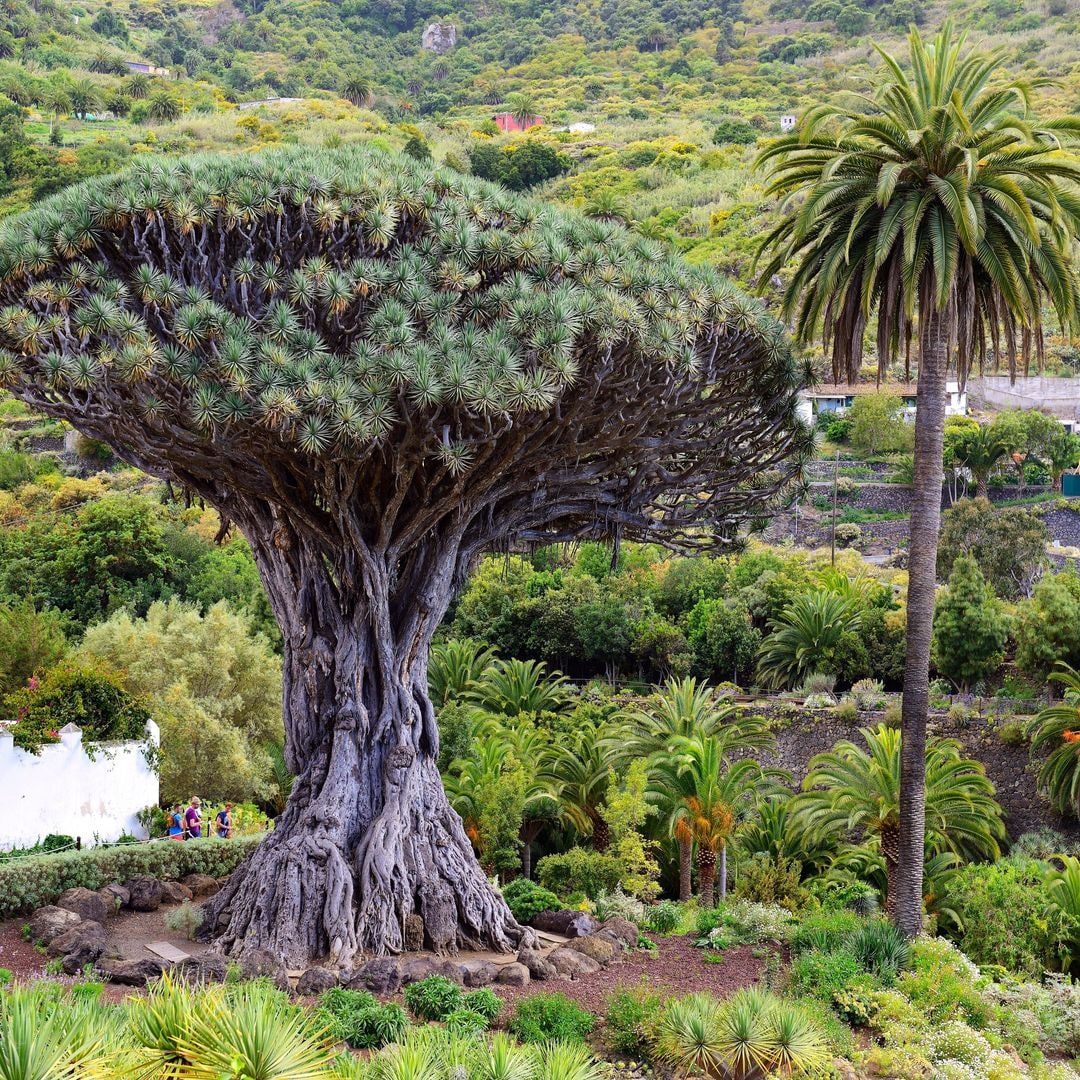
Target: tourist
{"points": [[176, 822], [193, 819], [224, 822]]}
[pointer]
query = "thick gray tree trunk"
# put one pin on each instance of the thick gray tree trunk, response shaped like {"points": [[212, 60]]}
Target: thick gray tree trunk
{"points": [[907, 905], [368, 835]]}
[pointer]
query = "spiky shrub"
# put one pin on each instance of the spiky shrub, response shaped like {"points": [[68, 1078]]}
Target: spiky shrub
{"points": [[880, 948], [377, 370]]}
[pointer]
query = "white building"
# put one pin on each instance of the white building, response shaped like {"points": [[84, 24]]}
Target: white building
{"points": [[66, 791], [788, 122], [838, 398]]}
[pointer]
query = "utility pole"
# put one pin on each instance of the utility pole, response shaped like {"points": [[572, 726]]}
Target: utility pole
{"points": [[835, 472]]}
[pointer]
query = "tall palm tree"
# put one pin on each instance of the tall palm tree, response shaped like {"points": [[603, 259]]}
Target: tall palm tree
{"points": [[715, 793], [357, 89], [683, 709], [522, 107], [84, 97], [942, 206], [849, 789]]}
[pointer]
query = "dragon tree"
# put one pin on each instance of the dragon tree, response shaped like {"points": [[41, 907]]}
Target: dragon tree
{"points": [[378, 370]]}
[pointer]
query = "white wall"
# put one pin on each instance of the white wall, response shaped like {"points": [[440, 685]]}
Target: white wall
{"points": [[62, 790]]}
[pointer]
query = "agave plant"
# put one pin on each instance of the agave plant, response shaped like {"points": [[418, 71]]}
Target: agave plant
{"points": [[43, 1038]]}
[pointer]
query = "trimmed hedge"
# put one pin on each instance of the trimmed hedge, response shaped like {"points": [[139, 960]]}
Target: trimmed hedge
{"points": [[27, 884]]}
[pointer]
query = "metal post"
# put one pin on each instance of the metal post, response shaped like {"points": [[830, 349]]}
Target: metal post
{"points": [[836, 470]]}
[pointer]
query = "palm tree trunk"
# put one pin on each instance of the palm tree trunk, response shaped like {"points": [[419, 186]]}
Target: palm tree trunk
{"points": [[890, 850], [686, 859], [906, 898], [601, 834], [982, 487], [706, 866], [723, 872]]}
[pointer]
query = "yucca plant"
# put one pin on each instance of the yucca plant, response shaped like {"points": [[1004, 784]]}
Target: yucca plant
{"points": [[45, 1038], [692, 1036]]}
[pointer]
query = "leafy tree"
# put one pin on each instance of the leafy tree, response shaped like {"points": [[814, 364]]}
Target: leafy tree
{"points": [[214, 688], [1048, 626], [519, 165], [945, 209], [1009, 545], [878, 425], [971, 627], [851, 790], [724, 641], [370, 441], [91, 698], [732, 132], [31, 640], [625, 812]]}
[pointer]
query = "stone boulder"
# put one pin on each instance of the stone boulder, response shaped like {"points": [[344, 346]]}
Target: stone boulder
{"points": [[172, 892], [537, 965], [593, 946], [451, 970], [419, 968], [132, 972], [50, 922], [439, 38], [316, 981], [146, 893], [623, 929], [378, 976], [478, 972], [86, 903], [115, 897], [573, 964], [263, 964], [85, 934], [568, 923], [201, 970], [201, 885], [515, 974]]}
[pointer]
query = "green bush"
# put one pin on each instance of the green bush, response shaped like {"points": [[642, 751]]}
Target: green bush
{"points": [[630, 1023], [579, 870], [526, 899], [483, 1001], [662, 918], [1008, 916], [544, 1017], [824, 974], [825, 931], [357, 1018], [465, 1022], [434, 998], [26, 884]]}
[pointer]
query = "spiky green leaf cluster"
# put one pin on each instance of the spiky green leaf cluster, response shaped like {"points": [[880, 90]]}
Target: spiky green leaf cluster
{"points": [[340, 297]]}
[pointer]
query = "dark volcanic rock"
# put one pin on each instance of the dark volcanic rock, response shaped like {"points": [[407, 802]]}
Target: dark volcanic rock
{"points": [[146, 893], [86, 903], [568, 923]]}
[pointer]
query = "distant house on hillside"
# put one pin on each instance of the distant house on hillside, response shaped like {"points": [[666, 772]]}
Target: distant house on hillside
{"points": [[509, 124], [838, 398], [137, 67], [788, 122]]}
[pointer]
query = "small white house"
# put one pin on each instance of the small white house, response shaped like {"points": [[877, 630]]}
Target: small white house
{"points": [[67, 791], [838, 398], [788, 122]]}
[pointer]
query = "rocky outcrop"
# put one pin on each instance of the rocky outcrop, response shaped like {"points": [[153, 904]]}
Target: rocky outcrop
{"points": [[201, 885], [315, 981], [439, 38], [131, 972], [515, 974], [173, 892], [537, 965], [201, 970], [573, 964], [378, 976]]}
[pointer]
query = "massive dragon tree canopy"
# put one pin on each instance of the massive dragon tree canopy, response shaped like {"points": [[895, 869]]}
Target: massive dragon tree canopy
{"points": [[309, 325]]}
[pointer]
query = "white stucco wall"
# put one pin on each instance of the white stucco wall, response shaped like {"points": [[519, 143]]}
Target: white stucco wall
{"points": [[63, 790]]}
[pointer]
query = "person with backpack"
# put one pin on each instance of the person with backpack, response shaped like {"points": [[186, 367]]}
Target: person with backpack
{"points": [[193, 819], [176, 822], [224, 822]]}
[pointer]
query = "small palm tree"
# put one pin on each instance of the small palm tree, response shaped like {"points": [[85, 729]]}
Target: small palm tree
{"points": [[607, 205], [945, 209], [137, 86], [357, 89], [522, 107], [513, 687], [683, 709], [85, 98], [457, 668], [1055, 742], [804, 633], [979, 452], [579, 769], [849, 789], [164, 107], [714, 793]]}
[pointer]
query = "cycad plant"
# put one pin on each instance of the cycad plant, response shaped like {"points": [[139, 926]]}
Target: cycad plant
{"points": [[1063, 886], [456, 669], [1055, 743], [849, 791], [516, 687], [802, 637], [945, 209]]}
